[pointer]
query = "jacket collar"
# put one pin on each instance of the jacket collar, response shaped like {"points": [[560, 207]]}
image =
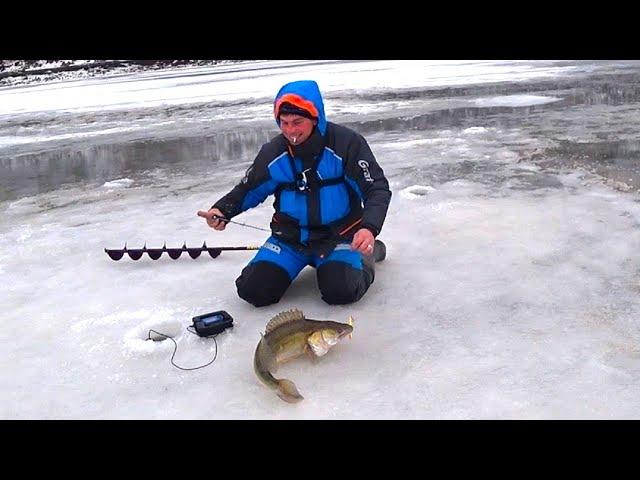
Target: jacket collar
{"points": [[310, 148]]}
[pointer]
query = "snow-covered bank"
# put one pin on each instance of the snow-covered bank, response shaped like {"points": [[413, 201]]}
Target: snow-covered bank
{"points": [[30, 72]]}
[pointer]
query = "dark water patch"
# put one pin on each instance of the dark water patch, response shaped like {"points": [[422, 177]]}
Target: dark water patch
{"points": [[609, 152], [498, 117], [497, 178], [47, 205], [35, 173], [534, 181], [617, 161], [601, 90], [610, 89], [613, 90], [49, 120]]}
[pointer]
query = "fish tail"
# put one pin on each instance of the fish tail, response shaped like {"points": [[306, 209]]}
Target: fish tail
{"points": [[284, 388], [288, 391], [265, 360]]}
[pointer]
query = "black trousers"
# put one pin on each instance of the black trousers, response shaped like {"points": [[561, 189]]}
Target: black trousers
{"points": [[264, 283]]}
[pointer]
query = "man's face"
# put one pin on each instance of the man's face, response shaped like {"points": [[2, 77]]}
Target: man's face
{"points": [[296, 128]]}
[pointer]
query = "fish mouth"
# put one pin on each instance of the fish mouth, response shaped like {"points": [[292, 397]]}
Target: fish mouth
{"points": [[347, 332]]}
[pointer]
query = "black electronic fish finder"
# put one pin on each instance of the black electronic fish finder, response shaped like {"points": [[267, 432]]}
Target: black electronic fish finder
{"points": [[209, 324]]}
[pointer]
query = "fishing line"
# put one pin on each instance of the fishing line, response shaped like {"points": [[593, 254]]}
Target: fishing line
{"points": [[226, 220], [175, 349]]}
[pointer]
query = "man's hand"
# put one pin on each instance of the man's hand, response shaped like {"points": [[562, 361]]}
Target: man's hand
{"points": [[212, 221], [363, 241]]}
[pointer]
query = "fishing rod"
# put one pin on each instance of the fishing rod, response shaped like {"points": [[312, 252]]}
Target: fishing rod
{"points": [[174, 253]]}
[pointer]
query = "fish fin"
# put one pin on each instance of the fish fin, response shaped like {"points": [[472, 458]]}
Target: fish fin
{"points": [[310, 353], [288, 391], [282, 318]]}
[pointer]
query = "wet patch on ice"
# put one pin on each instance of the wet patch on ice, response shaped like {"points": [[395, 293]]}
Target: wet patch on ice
{"points": [[416, 191], [46, 202], [528, 179]]}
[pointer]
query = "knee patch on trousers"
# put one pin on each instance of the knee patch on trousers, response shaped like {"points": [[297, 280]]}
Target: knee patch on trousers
{"points": [[262, 283], [341, 284]]}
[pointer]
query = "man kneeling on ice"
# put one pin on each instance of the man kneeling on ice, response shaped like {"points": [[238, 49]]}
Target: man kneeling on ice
{"points": [[331, 200]]}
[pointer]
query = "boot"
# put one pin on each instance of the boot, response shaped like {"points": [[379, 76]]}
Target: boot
{"points": [[378, 255], [379, 251]]}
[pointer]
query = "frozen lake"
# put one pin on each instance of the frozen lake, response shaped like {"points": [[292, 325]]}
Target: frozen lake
{"points": [[511, 284]]}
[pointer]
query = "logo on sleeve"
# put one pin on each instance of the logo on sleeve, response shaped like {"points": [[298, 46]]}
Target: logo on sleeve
{"points": [[364, 165], [245, 179]]}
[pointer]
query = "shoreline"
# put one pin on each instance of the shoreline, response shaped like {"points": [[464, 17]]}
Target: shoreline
{"points": [[36, 72]]}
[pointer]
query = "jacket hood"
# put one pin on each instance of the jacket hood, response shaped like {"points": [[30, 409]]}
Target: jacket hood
{"points": [[303, 94]]}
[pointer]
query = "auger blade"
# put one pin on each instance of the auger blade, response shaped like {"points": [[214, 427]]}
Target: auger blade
{"points": [[174, 253], [154, 253], [194, 252], [114, 254], [135, 254], [214, 252]]}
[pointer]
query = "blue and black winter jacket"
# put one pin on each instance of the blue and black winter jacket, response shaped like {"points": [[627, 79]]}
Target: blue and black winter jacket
{"points": [[325, 189]]}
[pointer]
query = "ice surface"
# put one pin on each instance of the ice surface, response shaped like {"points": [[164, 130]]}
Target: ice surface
{"points": [[509, 290]]}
